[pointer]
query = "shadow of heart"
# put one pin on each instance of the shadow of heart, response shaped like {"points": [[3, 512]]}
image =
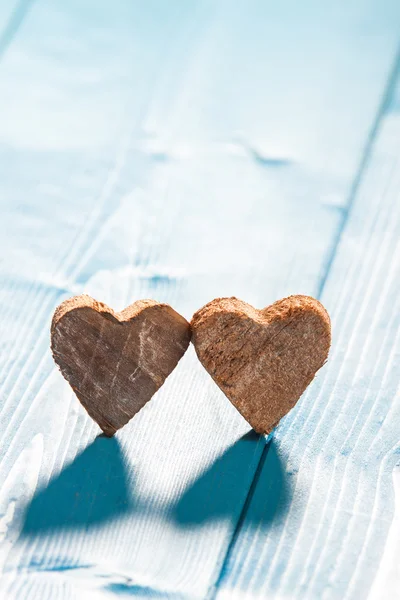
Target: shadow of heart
{"points": [[91, 490], [96, 488], [221, 490]]}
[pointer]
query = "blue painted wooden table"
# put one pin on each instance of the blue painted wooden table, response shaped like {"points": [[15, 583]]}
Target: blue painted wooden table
{"points": [[186, 150]]}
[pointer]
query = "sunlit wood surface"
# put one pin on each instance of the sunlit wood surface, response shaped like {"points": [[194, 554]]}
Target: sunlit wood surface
{"points": [[182, 151]]}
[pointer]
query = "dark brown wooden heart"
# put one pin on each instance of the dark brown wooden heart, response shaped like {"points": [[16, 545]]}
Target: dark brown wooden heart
{"points": [[262, 360], [115, 362]]}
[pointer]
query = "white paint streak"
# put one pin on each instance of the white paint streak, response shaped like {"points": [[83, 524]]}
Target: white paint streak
{"points": [[386, 585], [147, 354], [16, 492]]}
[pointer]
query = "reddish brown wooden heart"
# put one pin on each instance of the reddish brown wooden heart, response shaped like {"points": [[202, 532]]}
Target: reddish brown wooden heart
{"points": [[115, 362], [263, 360]]}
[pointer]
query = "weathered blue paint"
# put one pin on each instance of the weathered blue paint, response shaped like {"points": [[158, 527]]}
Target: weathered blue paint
{"points": [[183, 151]]}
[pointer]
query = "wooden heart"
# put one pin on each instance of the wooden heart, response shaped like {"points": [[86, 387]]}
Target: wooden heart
{"points": [[115, 362], [263, 360]]}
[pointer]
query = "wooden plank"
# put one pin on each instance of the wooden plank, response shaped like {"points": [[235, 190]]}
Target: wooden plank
{"points": [[323, 519], [158, 150]]}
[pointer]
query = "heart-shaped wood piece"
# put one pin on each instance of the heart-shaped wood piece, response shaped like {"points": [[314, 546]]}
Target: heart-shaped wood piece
{"points": [[115, 362], [262, 360]]}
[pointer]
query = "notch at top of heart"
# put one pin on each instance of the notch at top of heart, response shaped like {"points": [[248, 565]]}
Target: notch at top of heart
{"points": [[116, 361], [263, 360]]}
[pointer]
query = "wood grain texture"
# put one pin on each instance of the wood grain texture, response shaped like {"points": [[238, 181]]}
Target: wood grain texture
{"points": [[262, 360], [334, 496], [182, 151], [115, 362]]}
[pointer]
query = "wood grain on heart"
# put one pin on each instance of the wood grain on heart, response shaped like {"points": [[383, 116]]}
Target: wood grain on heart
{"points": [[263, 360], [115, 362]]}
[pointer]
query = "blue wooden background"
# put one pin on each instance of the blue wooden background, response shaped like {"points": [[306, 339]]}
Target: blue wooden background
{"points": [[185, 150]]}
